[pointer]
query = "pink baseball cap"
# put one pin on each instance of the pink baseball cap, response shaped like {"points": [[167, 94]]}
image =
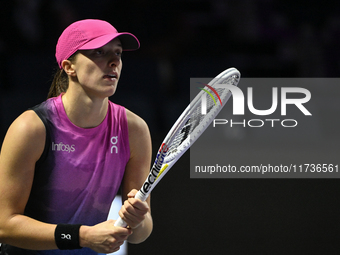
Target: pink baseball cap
{"points": [[90, 34]]}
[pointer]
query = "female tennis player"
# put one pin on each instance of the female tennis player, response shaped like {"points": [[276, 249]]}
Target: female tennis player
{"points": [[63, 161]]}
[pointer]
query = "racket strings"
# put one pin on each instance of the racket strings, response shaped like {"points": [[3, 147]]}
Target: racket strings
{"points": [[198, 121], [191, 124], [179, 138]]}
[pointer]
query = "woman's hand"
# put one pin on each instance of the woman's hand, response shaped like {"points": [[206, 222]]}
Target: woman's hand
{"points": [[103, 237], [134, 211]]}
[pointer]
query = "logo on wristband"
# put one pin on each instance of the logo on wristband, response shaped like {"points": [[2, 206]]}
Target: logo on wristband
{"points": [[66, 236]]}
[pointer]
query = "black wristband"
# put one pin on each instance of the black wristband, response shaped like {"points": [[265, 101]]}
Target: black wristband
{"points": [[67, 236]]}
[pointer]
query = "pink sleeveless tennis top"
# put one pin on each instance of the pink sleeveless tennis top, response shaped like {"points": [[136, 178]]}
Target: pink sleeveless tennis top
{"points": [[81, 170]]}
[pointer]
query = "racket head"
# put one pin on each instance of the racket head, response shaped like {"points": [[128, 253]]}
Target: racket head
{"points": [[192, 123]]}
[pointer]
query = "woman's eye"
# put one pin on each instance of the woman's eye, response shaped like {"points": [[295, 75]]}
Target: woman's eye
{"points": [[99, 52], [119, 53]]}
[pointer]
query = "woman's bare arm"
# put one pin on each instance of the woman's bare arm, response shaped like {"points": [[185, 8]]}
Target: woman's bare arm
{"points": [[136, 213]]}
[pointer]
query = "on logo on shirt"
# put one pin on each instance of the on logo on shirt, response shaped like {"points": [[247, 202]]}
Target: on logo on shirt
{"points": [[114, 141]]}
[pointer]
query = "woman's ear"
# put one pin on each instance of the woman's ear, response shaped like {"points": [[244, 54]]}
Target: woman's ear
{"points": [[68, 67]]}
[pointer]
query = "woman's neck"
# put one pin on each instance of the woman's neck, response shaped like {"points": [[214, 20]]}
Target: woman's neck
{"points": [[83, 111]]}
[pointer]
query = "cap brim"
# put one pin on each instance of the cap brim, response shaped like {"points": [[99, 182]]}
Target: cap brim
{"points": [[129, 41]]}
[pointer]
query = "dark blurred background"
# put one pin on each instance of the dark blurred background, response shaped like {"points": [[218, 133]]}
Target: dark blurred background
{"points": [[180, 40]]}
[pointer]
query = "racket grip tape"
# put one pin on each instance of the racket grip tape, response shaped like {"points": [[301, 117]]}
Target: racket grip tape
{"points": [[121, 223]]}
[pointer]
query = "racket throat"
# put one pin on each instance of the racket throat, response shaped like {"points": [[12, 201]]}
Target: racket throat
{"points": [[155, 172]]}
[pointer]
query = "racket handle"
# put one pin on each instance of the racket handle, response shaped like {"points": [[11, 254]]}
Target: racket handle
{"points": [[121, 223]]}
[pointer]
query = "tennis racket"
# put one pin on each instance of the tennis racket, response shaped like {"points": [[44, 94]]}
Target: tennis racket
{"points": [[188, 128]]}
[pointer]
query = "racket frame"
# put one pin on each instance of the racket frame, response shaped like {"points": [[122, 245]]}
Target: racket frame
{"points": [[160, 167]]}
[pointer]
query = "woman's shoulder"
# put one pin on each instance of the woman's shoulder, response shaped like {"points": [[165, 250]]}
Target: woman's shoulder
{"points": [[29, 122], [139, 135], [135, 122], [26, 133]]}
